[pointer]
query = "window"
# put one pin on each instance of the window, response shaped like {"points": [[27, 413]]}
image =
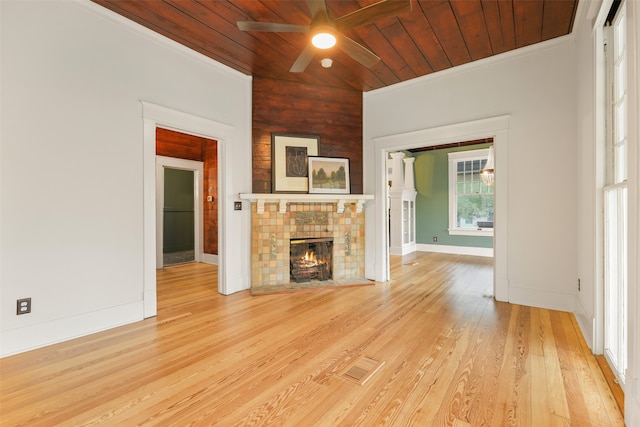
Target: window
{"points": [[615, 193], [470, 199], [618, 97]]}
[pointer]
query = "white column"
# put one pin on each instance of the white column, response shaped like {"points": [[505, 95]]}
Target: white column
{"points": [[402, 199], [397, 175], [409, 181]]}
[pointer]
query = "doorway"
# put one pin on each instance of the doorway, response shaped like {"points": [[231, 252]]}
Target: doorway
{"points": [[179, 228], [497, 128], [156, 117]]}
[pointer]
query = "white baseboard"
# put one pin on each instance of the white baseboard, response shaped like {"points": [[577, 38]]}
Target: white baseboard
{"points": [[501, 289], [459, 250], [587, 327], [403, 250], [150, 302], [587, 324], [210, 259], [38, 335], [542, 298]]}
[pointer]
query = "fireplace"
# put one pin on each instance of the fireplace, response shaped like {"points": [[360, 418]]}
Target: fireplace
{"points": [[310, 259], [276, 227]]}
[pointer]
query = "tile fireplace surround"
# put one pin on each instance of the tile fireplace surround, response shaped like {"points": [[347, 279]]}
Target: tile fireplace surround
{"points": [[272, 230]]}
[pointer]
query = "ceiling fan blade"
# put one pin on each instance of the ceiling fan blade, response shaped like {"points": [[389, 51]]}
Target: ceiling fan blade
{"points": [[357, 51], [303, 60], [316, 6], [369, 14], [273, 27]]}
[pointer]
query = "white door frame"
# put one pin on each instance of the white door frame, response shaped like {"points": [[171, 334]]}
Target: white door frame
{"points": [[494, 127], [157, 116], [163, 162]]}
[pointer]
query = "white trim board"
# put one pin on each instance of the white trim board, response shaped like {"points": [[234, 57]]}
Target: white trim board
{"points": [[197, 168], [210, 259], [51, 332], [403, 250], [458, 250], [542, 298]]}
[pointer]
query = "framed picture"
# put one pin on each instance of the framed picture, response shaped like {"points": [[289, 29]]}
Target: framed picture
{"points": [[329, 175], [289, 153]]}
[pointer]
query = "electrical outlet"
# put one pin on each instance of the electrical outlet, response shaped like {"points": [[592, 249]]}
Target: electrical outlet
{"points": [[435, 239], [23, 306], [237, 206]]}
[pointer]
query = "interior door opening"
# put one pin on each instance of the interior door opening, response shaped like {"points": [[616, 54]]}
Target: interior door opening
{"points": [[179, 211], [495, 128], [163, 134], [435, 186], [187, 152]]}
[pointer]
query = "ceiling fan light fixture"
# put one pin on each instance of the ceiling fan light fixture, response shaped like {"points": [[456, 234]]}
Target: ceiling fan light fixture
{"points": [[323, 39], [324, 32]]}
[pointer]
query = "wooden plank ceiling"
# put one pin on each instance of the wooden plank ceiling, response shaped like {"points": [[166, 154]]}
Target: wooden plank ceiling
{"points": [[433, 36]]}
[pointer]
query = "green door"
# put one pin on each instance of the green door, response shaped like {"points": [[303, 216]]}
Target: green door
{"points": [[178, 241]]}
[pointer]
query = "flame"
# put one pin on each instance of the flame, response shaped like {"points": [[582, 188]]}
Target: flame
{"points": [[310, 256]]}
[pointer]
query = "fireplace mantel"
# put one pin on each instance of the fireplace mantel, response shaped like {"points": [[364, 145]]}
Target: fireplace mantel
{"points": [[284, 198]]}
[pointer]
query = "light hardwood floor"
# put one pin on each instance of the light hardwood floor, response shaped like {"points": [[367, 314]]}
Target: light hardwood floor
{"points": [[452, 356]]}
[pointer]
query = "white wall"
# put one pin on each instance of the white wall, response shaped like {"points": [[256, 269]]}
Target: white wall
{"points": [[536, 88], [72, 225]]}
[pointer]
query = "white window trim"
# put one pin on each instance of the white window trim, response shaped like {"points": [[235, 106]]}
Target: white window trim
{"points": [[454, 158], [619, 96], [616, 268]]}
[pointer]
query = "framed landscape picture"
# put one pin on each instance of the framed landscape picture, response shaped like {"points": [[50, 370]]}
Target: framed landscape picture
{"points": [[289, 153], [329, 175]]}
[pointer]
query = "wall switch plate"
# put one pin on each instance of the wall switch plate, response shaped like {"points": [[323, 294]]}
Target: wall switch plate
{"points": [[237, 206], [23, 306]]}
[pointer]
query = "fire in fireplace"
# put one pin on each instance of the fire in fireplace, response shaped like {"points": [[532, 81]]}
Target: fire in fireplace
{"points": [[310, 259]]}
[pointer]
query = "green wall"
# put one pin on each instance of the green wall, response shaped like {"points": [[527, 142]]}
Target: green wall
{"points": [[432, 201]]}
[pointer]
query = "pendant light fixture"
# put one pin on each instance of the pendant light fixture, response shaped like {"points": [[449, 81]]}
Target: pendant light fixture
{"points": [[487, 173]]}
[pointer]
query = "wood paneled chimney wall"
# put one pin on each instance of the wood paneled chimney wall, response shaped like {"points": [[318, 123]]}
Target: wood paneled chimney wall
{"points": [[286, 107]]}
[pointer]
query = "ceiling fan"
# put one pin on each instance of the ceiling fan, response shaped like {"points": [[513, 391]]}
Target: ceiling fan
{"points": [[326, 32]]}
